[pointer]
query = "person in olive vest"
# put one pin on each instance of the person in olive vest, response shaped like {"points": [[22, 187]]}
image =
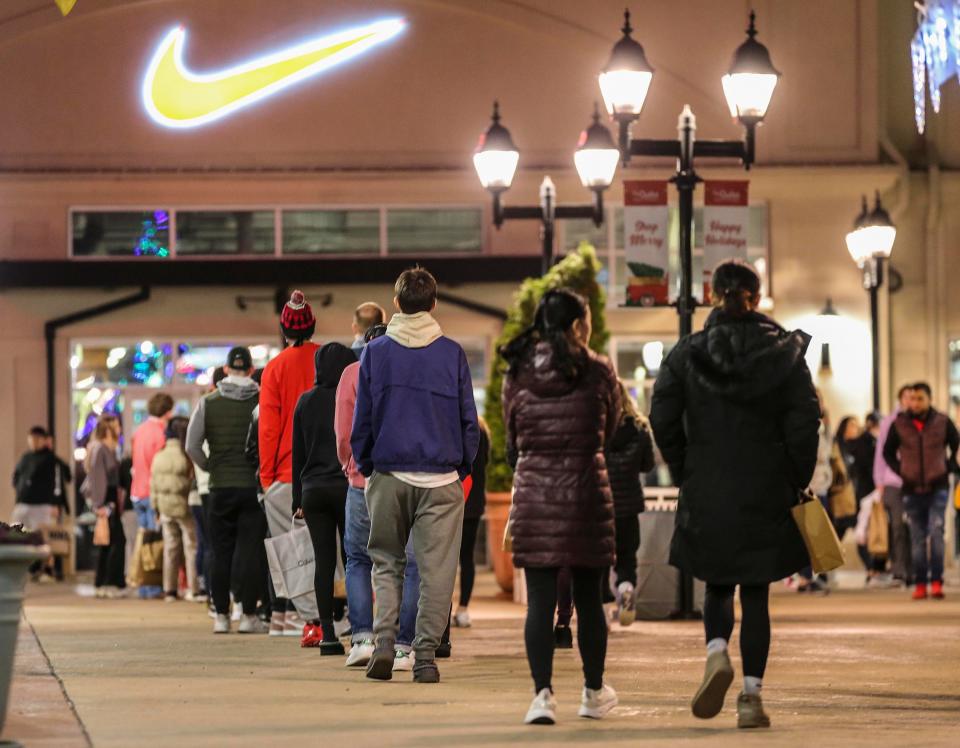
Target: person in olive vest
{"points": [[916, 450], [236, 522]]}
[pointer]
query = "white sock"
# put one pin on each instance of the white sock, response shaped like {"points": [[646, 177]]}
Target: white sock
{"points": [[751, 684], [716, 645]]}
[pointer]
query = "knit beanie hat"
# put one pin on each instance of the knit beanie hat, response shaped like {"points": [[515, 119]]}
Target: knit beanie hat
{"points": [[297, 320]]}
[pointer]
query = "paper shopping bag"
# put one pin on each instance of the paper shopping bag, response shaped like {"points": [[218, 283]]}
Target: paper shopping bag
{"points": [[292, 564], [878, 531], [823, 545], [101, 530]]}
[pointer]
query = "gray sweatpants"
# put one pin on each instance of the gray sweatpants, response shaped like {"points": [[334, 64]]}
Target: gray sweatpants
{"points": [[901, 563], [434, 516], [278, 506]]}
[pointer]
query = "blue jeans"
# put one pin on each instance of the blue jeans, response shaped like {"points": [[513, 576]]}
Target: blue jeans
{"points": [[926, 514], [358, 570], [147, 519]]}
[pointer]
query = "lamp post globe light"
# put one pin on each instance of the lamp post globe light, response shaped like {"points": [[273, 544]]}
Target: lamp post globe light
{"points": [[748, 86], [870, 244], [496, 159]]}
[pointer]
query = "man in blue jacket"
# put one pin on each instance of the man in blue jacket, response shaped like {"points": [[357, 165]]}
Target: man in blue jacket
{"points": [[414, 438]]}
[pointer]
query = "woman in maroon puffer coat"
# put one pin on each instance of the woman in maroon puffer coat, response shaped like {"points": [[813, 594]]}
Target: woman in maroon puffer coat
{"points": [[561, 405]]}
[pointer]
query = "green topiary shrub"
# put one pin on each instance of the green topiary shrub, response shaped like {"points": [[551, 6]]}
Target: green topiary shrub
{"points": [[578, 272]]}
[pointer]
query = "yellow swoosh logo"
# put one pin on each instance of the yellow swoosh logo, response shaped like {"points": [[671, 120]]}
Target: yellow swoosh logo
{"points": [[176, 97]]}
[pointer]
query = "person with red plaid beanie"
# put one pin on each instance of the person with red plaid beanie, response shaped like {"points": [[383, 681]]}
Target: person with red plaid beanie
{"points": [[285, 378]]}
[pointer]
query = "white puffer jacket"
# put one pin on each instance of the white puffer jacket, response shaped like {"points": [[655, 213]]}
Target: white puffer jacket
{"points": [[171, 478]]}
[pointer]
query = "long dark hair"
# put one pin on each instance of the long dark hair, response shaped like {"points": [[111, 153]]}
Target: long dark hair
{"points": [[735, 285], [557, 311]]}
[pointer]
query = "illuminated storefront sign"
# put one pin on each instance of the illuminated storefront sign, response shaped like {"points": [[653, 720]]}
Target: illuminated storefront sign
{"points": [[176, 97]]}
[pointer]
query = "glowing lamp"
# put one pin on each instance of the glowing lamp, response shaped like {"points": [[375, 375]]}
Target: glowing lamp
{"points": [[596, 157], [873, 234], [626, 78], [749, 83], [496, 157]]}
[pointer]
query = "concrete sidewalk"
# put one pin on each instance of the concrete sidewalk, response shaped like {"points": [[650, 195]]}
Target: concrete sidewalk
{"points": [[854, 668]]}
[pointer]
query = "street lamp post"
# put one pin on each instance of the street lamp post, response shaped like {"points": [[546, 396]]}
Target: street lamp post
{"points": [[748, 87], [870, 245], [496, 159]]}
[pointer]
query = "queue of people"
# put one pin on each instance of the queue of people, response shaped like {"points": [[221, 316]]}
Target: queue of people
{"points": [[378, 449]]}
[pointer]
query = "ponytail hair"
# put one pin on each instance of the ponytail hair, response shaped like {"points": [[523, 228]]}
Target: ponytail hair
{"points": [[735, 287], [557, 311]]}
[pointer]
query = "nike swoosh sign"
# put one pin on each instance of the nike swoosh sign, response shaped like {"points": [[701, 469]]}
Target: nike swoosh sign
{"points": [[176, 97]]}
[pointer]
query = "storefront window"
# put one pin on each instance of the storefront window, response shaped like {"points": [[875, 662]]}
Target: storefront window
{"points": [[195, 363], [331, 231], [143, 233], [144, 363], [234, 232], [440, 230]]}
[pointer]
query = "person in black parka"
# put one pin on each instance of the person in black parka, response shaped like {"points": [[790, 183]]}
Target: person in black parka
{"points": [[735, 416], [319, 485], [629, 455]]}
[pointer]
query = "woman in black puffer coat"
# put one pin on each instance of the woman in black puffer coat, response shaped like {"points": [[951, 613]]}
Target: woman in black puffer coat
{"points": [[561, 405], [736, 418], [629, 455]]}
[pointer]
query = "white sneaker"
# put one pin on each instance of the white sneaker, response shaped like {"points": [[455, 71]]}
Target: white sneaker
{"points": [[236, 612], [543, 709], [253, 625], [360, 653], [293, 624], [626, 605], [595, 704], [100, 593], [402, 661], [221, 624], [116, 593], [461, 619]]}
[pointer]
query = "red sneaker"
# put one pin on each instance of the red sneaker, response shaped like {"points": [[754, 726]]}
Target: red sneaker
{"points": [[936, 590], [920, 592], [312, 636]]}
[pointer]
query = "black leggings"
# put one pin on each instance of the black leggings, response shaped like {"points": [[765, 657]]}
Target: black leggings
{"points": [[591, 624], [110, 558], [324, 508], [468, 569], [628, 542], [754, 624]]}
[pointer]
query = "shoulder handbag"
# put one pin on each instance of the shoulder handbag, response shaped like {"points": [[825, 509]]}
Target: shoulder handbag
{"points": [[816, 529]]}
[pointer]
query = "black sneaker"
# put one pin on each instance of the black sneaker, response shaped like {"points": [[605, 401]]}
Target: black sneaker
{"points": [[380, 666], [426, 671], [562, 637], [444, 651]]}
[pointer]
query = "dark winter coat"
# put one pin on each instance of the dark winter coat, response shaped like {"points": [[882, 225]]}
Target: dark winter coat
{"points": [[315, 461], [41, 478], [562, 506], [629, 454], [735, 416], [477, 500], [916, 450]]}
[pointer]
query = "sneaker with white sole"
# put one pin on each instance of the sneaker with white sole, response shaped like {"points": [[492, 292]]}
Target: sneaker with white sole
{"points": [[543, 709], [293, 624], [626, 606], [221, 624], [236, 612], [277, 623], [596, 703], [461, 619], [402, 661], [251, 624], [360, 653]]}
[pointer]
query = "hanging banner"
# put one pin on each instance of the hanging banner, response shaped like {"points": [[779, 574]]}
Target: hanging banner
{"points": [[645, 239], [726, 218]]}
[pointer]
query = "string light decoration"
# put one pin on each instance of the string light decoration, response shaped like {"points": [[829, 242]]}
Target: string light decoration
{"points": [[934, 53]]}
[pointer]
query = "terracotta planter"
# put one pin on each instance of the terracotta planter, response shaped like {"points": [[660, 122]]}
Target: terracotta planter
{"points": [[14, 562], [498, 511]]}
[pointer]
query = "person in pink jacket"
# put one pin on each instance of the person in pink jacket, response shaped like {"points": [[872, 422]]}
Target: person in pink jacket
{"points": [[147, 441], [356, 536], [890, 486]]}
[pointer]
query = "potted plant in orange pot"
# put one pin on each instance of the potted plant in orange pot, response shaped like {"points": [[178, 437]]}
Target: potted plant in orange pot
{"points": [[577, 271], [18, 549]]}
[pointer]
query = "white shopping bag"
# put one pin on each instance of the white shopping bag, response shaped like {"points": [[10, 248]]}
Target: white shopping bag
{"points": [[292, 563]]}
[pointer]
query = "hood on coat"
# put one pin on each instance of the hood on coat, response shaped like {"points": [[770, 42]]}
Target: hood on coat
{"points": [[413, 330], [330, 361], [745, 357], [542, 376], [238, 388]]}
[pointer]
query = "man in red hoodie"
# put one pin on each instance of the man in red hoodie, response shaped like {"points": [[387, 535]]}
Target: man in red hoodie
{"points": [[285, 378]]}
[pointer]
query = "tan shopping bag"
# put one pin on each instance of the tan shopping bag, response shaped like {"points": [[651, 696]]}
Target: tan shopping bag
{"points": [[823, 545], [101, 530], [58, 537], [878, 531]]}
